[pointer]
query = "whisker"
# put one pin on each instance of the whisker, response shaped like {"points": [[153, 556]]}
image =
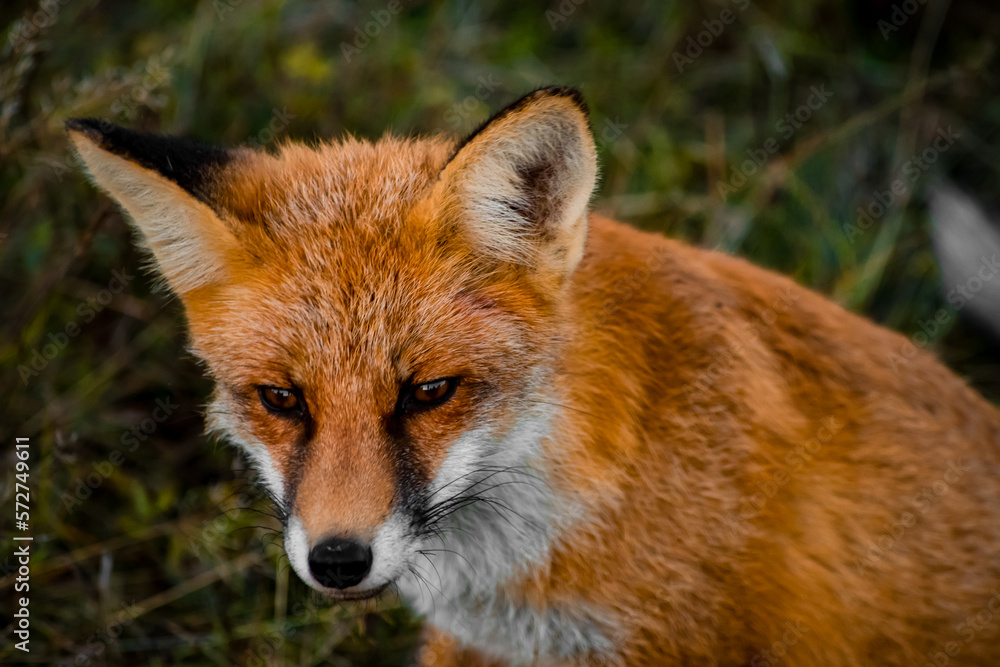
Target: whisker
{"points": [[425, 552]]}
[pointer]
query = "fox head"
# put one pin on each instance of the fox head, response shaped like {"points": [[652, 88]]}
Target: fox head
{"points": [[380, 318]]}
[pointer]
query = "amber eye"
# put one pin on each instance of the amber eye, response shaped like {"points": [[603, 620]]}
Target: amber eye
{"points": [[279, 400], [430, 394]]}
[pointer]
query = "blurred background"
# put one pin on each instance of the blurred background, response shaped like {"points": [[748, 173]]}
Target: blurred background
{"points": [[813, 137]]}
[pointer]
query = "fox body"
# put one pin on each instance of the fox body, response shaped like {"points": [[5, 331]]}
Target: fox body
{"points": [[563, 440]]}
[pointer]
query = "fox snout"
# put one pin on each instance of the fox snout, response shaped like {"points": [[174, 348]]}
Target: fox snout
{"points": [[341, 516], [347, 565]]}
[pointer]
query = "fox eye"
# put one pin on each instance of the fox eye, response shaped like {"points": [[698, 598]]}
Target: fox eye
{"points": [[432, 394], [278, 400]]}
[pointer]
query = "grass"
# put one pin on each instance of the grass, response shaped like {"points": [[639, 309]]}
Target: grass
{"points": [[128, 510]]}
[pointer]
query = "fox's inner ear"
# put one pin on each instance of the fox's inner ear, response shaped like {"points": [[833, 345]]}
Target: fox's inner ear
{"points": [[521, 184], [165, 184]]}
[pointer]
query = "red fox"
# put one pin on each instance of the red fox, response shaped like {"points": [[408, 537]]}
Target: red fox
{"points": [[562, 440]]}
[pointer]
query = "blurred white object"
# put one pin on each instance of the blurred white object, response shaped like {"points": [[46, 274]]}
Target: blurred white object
{"points": [[967, 244]]}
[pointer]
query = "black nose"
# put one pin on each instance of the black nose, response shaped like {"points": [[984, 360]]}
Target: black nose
{"points": [[340, 563]]}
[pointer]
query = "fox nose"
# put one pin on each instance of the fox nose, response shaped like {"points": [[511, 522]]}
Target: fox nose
{"points": [[340, 563]]}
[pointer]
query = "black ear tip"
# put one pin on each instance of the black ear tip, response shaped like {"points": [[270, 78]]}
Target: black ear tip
{"points": [[78, 124], [539, 93], [187, 163], [95, 128], [560, 91]]}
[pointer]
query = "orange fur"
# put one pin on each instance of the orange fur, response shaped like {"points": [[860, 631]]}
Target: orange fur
{"points": [[732, 443]]}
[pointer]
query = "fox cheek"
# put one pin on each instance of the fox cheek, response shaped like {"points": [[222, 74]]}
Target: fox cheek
{"points": [[268, 471], [226, 420]]}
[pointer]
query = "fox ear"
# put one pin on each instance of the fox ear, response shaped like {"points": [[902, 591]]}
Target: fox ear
{"points": [[521, 184], [165, 184]]}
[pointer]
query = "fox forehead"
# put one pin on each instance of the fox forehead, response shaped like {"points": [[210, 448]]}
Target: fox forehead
{"points": [[339, 186], [315, 329], [342, 264]]}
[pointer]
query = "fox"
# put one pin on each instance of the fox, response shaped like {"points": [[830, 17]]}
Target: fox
{"points": [[559, 439]]}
